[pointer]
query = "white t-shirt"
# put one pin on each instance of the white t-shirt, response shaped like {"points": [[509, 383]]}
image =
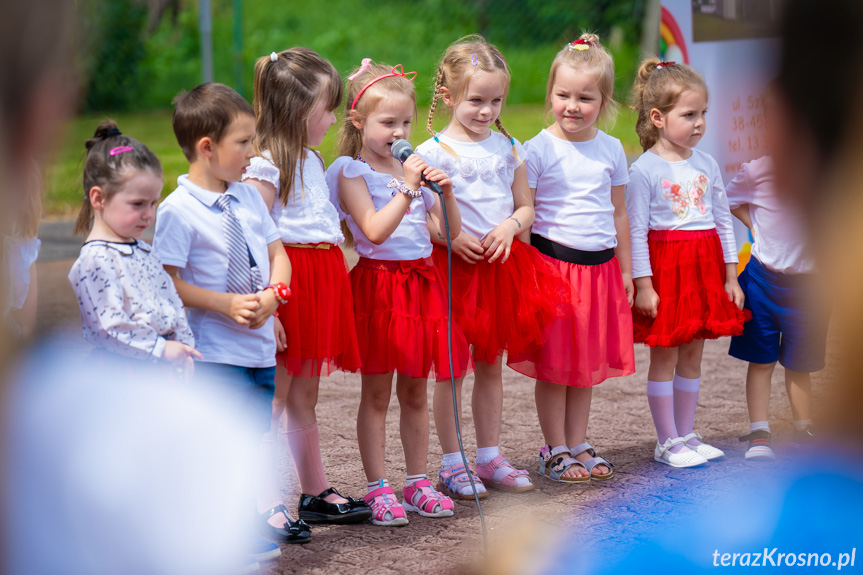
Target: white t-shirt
{"points": [[310, 215], [410, 240], [481, 175], [778, 228], [573, 183], [128, 302], [686, 195], [189, 236]]}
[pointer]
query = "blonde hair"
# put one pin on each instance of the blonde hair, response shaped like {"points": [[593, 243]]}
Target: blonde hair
{"points": [[459, 63], [588, 55], [659, 86], [286, 91], [350, 138]]}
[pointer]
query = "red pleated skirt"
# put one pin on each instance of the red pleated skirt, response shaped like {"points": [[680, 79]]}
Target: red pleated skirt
{"points": [[319, 317], [594, 340], [689, 277], [506, 306], [401, 318]]}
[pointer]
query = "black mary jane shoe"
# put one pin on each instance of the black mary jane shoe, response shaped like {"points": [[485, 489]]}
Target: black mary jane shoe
{"points": [[290, 532], [316, 509]]}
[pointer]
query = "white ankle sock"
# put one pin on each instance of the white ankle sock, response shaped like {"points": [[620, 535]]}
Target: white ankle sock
{"points": [[450, 459], [410, 479], [372, 485], [759, 426], [486, 454], [802, 424]]}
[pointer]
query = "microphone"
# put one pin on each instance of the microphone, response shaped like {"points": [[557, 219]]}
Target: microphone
{"points": [[401, 150]]}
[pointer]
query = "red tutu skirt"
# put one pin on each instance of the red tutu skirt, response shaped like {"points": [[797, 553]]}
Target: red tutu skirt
{"points": [[319, 317], [594, 340], [401, 317], [506, 306], [689, 277]]}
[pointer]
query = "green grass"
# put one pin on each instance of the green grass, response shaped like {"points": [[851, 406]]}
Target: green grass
{"points": [[64, 192]]}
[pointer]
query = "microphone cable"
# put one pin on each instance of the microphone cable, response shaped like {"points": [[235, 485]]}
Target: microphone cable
{"points": [[452, 375]]}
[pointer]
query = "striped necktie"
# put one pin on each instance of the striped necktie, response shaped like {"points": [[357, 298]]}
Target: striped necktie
{"points": [[239, 272]]}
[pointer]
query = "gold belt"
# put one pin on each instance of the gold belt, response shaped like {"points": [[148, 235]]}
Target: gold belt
{"points": [[320, 246]]}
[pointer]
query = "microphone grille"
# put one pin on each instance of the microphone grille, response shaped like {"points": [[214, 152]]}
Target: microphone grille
{"points": [[401, 149]]}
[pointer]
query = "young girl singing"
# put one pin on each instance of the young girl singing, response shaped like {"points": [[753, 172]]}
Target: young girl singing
{"points": [[399, 296], [684, 257]]}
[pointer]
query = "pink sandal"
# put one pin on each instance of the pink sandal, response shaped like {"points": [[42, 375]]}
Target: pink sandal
{"points": [[452, 479], [500, 474], [383, 500], [427, 498]]}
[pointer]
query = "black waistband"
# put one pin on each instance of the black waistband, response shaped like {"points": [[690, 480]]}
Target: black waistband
{"points": [[570, 255]]}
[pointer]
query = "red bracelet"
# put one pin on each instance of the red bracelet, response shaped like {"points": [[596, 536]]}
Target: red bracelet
{"points": [[281, 291]]}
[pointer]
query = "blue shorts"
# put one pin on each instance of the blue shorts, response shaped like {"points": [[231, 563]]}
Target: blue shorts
{"points": [[248, 388], [786, 326]]}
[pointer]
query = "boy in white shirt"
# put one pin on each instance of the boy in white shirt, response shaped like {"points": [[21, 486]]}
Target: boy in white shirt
{"points": [[218, 243]]}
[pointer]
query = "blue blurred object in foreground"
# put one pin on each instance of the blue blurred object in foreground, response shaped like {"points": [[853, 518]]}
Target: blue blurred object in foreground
{"points": [[109, 474]]}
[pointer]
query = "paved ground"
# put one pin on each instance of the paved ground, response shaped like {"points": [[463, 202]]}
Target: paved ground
{"points": [[620, 428]]}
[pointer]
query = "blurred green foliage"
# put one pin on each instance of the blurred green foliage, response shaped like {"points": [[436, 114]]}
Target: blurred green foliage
{"points": [[149, 69]]}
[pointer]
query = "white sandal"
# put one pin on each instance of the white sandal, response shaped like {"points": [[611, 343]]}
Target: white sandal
{"points": [[708, 452], [686, 458]]}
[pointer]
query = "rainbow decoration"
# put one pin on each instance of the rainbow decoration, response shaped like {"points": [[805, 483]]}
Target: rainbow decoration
{"points": [[672, 46]]}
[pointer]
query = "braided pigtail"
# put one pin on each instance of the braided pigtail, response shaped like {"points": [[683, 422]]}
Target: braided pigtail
{"points": [[435, 97], [503, 131]]}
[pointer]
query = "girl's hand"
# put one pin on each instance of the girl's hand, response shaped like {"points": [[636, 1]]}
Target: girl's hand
{"points": [[498, 242], [180, 356], [243, 307], [468, 248], [414, 167], [647, 302], [281, 336], [629, 288], [269, 304], [735, 292], [439, 177]]}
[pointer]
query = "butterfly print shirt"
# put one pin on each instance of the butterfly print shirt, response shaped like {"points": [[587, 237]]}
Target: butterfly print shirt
{"points": [[686, 195]]}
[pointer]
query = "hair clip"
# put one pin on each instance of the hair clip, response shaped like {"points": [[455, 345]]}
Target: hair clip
{"points": [[398, 71], [113, 132], [120, 149], [665, 64], [273, 56], [581, 45], [473, 59], [366, 64]]}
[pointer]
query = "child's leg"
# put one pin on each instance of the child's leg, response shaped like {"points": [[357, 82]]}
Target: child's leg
{"points": [[304, 439], [371, 418], [660, 393], [280, 398], [575, 424], [687, 381], [758, 378], [799, 388], [551, 410], [487, 403], [412, 393], [444, 417]]}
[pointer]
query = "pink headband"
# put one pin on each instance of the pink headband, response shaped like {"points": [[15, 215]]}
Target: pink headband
{"points": [[398, 70], [119, 150]]}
